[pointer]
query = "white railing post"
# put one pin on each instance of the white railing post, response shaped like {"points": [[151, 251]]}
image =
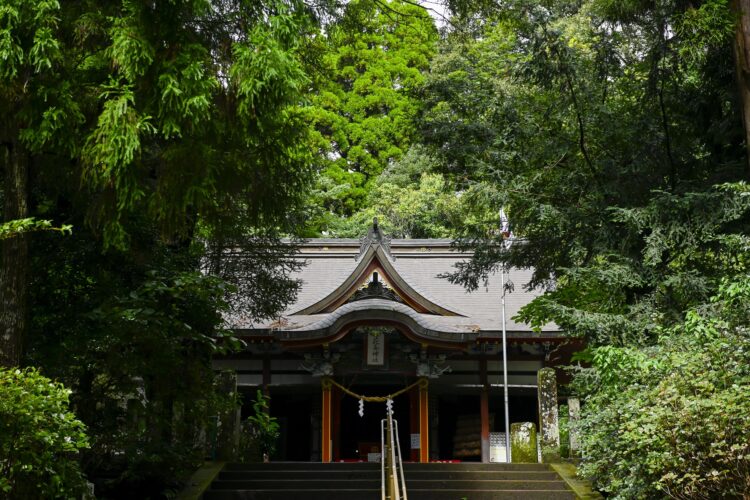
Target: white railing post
{"points": [[394, 474], [400, 464], [382, 459], [394, 486]]}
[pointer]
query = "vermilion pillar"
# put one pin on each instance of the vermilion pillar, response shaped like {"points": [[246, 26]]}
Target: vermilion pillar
{"points": [[336, 395], [325, 431], [424, 423], [484, 412], [414, 421]]}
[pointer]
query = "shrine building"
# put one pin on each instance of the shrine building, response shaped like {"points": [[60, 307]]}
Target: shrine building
{"points": [[373, 317]]}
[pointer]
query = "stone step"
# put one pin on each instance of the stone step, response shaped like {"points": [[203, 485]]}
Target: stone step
{"points": [[361, 481], [281, 475], [475, 466], [353, 494], [334, 475], [488, 484], [414, 494], [481, 475], [430, 494], [349, 484], [297, 484], [357, 466]]}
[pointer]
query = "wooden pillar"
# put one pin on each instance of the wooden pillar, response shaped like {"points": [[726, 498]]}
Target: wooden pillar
{"points": [[325, 431], [413, 422], [484, 413], [424, 422], [266, 376], [336, 396]]}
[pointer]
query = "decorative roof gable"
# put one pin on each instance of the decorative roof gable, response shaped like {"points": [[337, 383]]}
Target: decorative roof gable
{"points": [[375, 262]]}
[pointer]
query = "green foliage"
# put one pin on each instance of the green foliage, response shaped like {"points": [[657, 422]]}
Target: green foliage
{"points": [[366, 107], [170, 109], [19, 226], [167, 133], [260, 431], [132, 334], [409, 199], [564, 423], [523, 111], [673, 419], [610, 132], [40, 438]]}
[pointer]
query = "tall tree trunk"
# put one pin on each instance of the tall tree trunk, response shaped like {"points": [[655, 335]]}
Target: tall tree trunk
{"points": [[742, 63], [14, 255]]}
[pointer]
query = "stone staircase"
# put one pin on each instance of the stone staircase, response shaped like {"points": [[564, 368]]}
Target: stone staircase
{"points": [[361, 481]]}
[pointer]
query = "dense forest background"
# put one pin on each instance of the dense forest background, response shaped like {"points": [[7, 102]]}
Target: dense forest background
{"points": [[140, 140]]}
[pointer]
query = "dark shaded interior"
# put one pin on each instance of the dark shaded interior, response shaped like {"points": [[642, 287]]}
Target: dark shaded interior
{"points": [[355, 430]]}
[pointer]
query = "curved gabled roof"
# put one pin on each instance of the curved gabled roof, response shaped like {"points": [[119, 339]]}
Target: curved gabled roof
{"points": [[423, 326], [376, 259], [332, 299]]}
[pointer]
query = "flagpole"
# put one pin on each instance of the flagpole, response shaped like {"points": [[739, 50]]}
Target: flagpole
{"points": [[505, 371]]}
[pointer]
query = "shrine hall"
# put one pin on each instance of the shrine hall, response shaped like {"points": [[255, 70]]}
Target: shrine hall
{"points": [[376, 316]]}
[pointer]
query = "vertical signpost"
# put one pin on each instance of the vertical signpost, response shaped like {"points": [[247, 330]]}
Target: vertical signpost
{"points": [[505, 374], [326, 421], [505, 228]]}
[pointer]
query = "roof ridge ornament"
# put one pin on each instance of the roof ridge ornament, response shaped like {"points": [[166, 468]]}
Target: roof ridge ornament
{"points": [[375, 289], [375, 237]]}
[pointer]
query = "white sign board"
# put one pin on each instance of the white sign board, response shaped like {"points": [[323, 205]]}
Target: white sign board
{"points": [[375, 349], [415, 441], [497, 447]]}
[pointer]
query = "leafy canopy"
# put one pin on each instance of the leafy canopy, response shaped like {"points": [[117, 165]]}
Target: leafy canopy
{"points": [[366, 104]]}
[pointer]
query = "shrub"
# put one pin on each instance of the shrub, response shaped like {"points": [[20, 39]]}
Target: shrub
{"points": [[39, 438], [674, 419], [260, 431]]}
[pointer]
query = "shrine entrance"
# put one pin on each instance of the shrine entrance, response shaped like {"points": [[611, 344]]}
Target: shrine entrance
{"points": [[374, 316], [357, 438]]}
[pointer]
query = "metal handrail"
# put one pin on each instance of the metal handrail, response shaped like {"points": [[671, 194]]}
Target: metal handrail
{"points": [[396, 484], [400, 463], [382, 459]]}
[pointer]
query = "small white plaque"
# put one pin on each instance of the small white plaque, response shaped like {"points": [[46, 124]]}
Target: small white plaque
{"points": [[373, 457], [498, 451], [376, 349], [415, 441]]}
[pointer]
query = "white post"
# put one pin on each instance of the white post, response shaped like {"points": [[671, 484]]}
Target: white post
{"points": [[505, 373]]}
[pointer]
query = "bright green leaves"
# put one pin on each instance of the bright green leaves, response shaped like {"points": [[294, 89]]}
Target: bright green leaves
{"points": [[117, 140], [110, 153], [15, 227], [187, 92], [713, 20], [11, 53], [20, 20], [265, 70], [131, 52], [260, 428], [200, 114], [39, 438], [365, 114]]}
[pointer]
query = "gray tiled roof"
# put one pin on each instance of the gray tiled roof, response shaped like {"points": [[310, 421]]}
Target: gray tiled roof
{"points": [[420, 263]]}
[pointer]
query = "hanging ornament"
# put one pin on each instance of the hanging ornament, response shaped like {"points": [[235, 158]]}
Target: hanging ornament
{"points": [[361, 408], [389, 406]]}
